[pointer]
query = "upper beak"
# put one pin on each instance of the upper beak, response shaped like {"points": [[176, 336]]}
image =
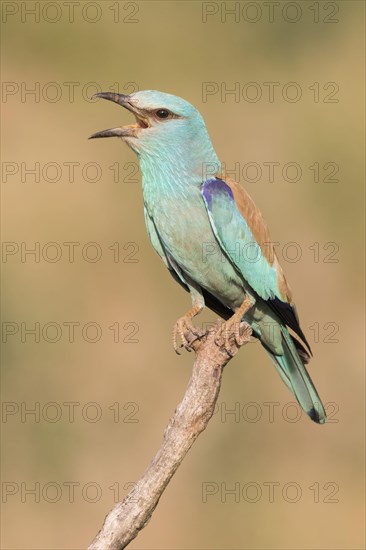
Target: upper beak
{"points": [[123, 131]]}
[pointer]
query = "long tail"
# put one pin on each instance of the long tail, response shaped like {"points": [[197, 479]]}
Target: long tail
{"points": [[296, 377]]}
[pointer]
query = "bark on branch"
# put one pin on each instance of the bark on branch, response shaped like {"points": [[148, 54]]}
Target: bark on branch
{"points": [[191, 417]]}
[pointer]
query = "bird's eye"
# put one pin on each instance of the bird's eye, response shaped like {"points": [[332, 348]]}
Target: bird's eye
{"points": [[163, 113]]}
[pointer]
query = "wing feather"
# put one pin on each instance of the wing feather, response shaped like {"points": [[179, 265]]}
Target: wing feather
{"points": [[259, 228], [235, 217]]}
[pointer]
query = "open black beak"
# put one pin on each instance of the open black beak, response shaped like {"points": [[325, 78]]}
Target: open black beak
{"points": [[121, 99], [123, 131]]}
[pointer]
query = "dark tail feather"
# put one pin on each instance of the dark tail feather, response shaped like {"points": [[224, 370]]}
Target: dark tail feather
{"points": [[303, 353], [292, 370]]}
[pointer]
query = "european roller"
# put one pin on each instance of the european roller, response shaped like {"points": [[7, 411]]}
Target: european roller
{"points": [[212, 237]]}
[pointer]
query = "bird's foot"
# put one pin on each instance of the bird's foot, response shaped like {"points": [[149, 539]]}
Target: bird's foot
{"points": [[182, 328], [235, 332]]}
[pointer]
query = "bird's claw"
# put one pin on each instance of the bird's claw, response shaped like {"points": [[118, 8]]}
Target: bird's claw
{"points": [[233, 332], [182, 326]]}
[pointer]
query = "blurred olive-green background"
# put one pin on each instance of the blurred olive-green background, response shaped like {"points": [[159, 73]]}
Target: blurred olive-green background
{"points": [[123, 387]]}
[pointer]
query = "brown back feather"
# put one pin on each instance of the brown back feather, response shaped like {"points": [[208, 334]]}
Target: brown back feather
{"points": [[259, 228]]}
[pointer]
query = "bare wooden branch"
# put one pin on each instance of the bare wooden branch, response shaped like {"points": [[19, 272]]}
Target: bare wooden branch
{"points": [[191, 417]]}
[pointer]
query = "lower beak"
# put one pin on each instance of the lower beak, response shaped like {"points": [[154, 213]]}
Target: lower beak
{"points": [[112, 132], [124, 131]]}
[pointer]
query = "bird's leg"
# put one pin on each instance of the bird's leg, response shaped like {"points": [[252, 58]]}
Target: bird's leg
{"points": [[184, 323], [235, 327]]}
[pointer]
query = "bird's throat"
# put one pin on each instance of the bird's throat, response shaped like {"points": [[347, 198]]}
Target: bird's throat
{"points": [[175, 173]]}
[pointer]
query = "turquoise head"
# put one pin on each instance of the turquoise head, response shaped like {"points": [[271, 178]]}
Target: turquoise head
{"points": [[169, 132]]}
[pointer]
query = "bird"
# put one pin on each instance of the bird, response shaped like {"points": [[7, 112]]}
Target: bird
{"points": [[212, 237]]}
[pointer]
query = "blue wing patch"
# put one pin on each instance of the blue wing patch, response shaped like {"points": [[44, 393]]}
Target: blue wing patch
{"points": [[237, 240]]}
